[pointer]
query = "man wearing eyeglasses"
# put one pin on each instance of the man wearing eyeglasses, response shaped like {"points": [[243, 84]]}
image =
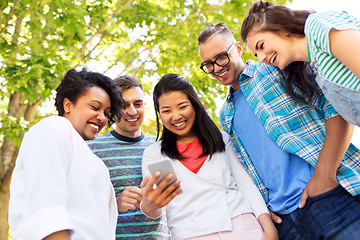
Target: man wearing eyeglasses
{"points": [[283, 146]]}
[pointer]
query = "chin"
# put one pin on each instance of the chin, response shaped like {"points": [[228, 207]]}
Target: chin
{"points": [[282, 66], [86, 138]]}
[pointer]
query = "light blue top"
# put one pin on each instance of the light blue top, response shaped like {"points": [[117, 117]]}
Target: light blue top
{"points": [[295, 127], [339, 84], [284, 175]]}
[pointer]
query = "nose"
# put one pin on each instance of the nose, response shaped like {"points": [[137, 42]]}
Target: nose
{"points": [[102, 118], [131, 110], [262, 57], [176, 116]]}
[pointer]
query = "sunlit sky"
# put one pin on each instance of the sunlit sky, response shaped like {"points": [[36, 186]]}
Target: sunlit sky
{"points": [[350, 6]]}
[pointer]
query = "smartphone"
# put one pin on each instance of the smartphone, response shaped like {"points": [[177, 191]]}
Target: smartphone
{"points": [[165, 166]]}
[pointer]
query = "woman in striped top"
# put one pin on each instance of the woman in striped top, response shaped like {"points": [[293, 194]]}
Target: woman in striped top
{"points": [[290, 39]]}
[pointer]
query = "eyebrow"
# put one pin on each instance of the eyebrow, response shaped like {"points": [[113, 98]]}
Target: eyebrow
{"points": [[164, 107], [135, 101], [97, 101], [183, 102], [216, 56]]}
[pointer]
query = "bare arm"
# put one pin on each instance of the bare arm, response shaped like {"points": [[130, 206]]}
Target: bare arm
{"points": [[344, 44], [61, 235], [337, 140]]}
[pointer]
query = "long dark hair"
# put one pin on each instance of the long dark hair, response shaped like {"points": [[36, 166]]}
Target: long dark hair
{"points": [[267, 17], [204, 128], [76, 83]]}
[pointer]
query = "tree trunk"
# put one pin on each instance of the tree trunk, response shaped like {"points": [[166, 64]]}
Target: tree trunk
{"points": [[4, 206], [8, 155]]}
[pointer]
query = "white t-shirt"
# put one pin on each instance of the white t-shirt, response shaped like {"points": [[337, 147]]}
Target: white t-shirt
{"points": [[59, 184], [220, 190]]}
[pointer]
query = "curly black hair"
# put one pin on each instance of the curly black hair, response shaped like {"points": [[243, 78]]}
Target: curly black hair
{"points": [[76, 83]]}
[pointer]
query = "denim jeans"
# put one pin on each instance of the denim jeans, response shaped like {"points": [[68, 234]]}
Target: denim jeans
{"points": [[346, 101], [332, 215]]}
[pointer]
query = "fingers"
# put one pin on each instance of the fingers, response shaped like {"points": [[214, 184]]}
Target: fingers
{"points": [[144, 181], [164, 192], [156, 198], [275, 217], [168, 191], [132, 191], [174, 190], [303, 198], [147, 184], [125, 206], [165, 183], [130, 198]]}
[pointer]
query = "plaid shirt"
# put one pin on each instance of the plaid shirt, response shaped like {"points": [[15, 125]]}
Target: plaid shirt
{"points": [[295, 127]]}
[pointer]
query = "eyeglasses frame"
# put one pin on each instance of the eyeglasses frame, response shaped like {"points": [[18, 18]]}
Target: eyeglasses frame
{"points": [[214, 62]]}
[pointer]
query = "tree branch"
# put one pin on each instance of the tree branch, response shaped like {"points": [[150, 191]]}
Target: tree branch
{"points": [[106, 22], [8, 18], [17, 31], [85, 56], [119, 59], [31, 110], [1, 4], [143, 63], [134, 58]]}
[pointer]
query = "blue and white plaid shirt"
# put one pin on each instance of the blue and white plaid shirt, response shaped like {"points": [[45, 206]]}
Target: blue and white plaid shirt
{"points": [[295, 127]]}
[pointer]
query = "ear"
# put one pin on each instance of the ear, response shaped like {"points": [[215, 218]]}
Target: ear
{"points": [[67, 104], [239, 48]]}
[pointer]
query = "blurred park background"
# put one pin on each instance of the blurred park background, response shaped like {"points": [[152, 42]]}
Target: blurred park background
{"points": [[40, 40]]}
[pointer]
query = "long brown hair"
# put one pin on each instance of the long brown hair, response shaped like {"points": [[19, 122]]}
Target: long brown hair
{"points": [[267, 17]]}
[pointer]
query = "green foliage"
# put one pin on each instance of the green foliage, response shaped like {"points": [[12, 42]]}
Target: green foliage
{"points": [[41, 40], [12, 128]]}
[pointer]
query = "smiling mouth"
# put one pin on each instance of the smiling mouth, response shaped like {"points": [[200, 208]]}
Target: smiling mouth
{"points": [[97, 127], [223, 73], [179, 124], [132, 120], [272, 60]]}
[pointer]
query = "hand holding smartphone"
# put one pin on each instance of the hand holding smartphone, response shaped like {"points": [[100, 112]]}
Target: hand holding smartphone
{"points": [[165, 166]]}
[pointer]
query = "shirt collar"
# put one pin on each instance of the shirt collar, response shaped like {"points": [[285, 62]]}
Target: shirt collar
{"points": [[127, 139]]}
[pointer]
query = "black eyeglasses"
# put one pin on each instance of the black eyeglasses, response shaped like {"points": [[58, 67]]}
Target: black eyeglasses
{"points": [[221, 61]]}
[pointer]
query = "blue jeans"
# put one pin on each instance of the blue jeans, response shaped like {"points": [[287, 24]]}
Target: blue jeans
{"points": [[331, 215], [346, 101]]}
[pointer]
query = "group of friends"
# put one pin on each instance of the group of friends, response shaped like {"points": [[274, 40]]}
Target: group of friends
{"points": [[282, 167]]}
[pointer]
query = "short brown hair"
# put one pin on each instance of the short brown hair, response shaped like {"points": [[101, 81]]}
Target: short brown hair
{"points": [[211, 30], [126, 82]]}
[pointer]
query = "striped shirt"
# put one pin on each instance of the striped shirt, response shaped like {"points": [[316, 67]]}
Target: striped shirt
{"points": [[317, 29], [295, 127], [123, 157]]}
